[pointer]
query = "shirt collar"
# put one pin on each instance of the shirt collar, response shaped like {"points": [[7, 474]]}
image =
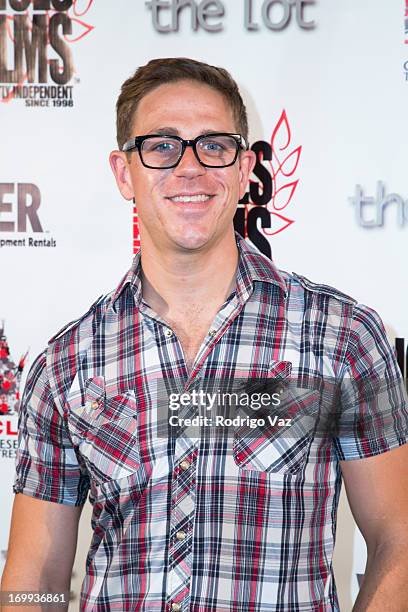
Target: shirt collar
{"points": [[253, 266], [132, 279]]}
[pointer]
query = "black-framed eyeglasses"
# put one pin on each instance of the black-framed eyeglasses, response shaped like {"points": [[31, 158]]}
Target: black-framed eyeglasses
{"points": [[162, 151]]}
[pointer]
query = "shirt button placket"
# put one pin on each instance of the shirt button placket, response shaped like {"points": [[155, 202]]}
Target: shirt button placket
{"points": [[182, 520]]}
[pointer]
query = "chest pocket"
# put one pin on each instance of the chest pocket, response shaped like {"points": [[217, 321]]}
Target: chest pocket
{"points": [[105, 430], [281, 435]]}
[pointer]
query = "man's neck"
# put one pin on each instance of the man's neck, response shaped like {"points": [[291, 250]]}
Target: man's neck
{"points": [[180, 282]]}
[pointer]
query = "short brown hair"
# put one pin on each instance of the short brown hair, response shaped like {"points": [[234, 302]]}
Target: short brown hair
{"points": [[161, 71]]}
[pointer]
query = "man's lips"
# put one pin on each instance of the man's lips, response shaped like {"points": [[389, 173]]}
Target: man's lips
{"points": [[189, 198]]}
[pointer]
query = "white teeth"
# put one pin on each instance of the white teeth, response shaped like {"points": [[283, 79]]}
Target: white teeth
{"points": [[197, 198]]}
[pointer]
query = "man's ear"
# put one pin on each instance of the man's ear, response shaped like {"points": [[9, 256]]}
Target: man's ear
{"points": [[247, 162], [120, 168]]}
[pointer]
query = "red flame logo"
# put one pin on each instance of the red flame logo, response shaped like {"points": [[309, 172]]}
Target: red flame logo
{"points": [[283, 165]]}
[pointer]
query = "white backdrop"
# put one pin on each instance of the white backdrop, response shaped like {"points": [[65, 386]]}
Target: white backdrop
{"points": [[342, 87]]}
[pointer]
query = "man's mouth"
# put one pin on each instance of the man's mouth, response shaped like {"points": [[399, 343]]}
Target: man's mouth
{"points": [[201, 197]]}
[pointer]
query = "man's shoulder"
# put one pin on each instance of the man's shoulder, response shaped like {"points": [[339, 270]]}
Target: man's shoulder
{"points": [[298, 282], [96, 308]]}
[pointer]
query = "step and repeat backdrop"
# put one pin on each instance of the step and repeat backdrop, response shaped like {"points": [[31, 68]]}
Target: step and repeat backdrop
{"points": [[326, 86]]}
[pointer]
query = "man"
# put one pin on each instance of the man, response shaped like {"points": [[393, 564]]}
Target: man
{"points": [[202, 524]]}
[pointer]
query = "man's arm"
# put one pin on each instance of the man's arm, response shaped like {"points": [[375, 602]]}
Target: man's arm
{"points": [[41, 551], [377, 491]]}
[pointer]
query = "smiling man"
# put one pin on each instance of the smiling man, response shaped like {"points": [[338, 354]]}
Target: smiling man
{"points": [[186, 189], [238, 522]]}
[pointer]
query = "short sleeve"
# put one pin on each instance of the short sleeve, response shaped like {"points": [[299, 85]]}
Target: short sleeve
{"points": [[46, 466], [373, 412]]}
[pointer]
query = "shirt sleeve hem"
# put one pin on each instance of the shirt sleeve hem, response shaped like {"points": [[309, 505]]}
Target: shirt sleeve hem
{"points": [[45, 496], [373, 450]]}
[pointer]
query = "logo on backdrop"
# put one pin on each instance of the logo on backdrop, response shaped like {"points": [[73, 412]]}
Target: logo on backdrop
{"points": [[263, 211], [405, 66], [260, 212], [208, 15], [379, 210], [19, 216], [10, 376], [36, 60], [406, 22]]}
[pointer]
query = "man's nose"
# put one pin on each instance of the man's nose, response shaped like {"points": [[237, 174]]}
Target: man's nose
{"points": [[189, 165]]}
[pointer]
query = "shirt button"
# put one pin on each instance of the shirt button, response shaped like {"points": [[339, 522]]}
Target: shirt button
{"points": [[212, 332], [175, 607], [181, 535], [185, 464], [168, 333], [95, 404]]}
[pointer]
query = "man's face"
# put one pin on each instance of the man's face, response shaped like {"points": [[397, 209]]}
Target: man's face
{"points": [[187, 109]]}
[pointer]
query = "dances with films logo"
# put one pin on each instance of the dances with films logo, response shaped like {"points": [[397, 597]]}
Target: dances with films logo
{"points": [[36, 60], [19, 213], [271, 190]]}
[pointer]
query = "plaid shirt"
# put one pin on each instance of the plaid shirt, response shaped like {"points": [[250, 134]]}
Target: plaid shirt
{"points": [[201, 525]]}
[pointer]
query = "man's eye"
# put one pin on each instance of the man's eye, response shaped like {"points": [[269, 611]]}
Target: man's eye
{"points": [[212, 146], [163, 147]]}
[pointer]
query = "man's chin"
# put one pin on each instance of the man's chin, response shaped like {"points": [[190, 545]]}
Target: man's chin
{"points": [[193, 241]]}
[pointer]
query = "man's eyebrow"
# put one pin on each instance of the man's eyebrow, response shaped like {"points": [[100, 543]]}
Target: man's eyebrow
{"points": [[171, 131], [163, 131]]}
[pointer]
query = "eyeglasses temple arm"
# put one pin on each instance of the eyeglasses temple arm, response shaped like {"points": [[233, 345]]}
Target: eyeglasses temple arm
{"points": [[130, 144]]}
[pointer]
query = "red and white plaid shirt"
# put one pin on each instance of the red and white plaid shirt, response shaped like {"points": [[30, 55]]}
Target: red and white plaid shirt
{"points": [[201, 525]]}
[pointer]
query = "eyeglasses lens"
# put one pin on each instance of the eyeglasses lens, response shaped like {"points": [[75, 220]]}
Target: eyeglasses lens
{"points": [[217, 150], [163, 152]]}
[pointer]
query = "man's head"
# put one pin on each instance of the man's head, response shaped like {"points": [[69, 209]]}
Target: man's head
{"points": [[171, 70], [184, 98]]}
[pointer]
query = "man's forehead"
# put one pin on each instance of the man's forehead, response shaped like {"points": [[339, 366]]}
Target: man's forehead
{"points": [[186, 127], [173, 131], [186, 86]]}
